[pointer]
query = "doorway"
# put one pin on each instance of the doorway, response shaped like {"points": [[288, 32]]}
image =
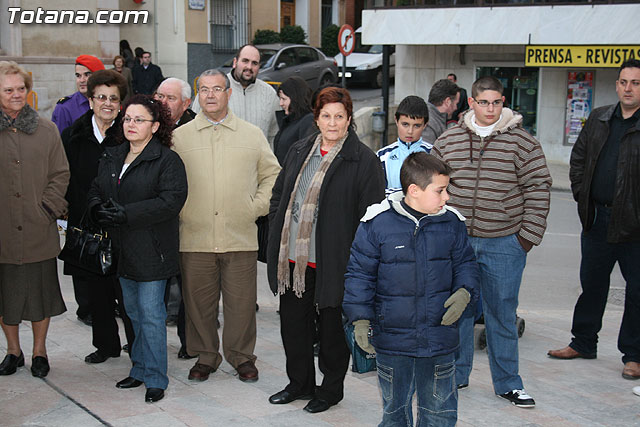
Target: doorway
{"points": [[287, 13]]}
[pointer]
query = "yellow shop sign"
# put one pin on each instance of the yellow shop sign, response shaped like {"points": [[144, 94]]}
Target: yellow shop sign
{"points": [[579, 56]]}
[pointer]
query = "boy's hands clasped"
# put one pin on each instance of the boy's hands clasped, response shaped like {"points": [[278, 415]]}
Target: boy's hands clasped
{"points": [[361, 334], [456, 304]]}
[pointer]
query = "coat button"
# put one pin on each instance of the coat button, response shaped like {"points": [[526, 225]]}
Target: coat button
{"points": [[18, 194], [216, 213], [17, 162], [113, 175], [19, 228]]}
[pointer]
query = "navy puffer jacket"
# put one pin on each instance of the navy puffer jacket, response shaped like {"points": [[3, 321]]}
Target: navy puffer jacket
{"points": [[400, 273]]}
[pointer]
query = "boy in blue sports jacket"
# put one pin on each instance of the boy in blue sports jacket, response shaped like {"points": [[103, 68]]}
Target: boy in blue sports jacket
{"points": [[410, 276]]}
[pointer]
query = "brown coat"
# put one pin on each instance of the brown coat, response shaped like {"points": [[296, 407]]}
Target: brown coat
{"points": [[34, 175]]}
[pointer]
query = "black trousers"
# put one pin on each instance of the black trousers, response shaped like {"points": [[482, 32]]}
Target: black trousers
{"points": [[81, 294], [170, 299], [598, 259], [103, 292], [298, 329]]}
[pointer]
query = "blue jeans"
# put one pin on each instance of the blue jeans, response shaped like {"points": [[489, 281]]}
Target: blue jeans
{"points": [[431, 378], [598, 260], [144, 303], [501, 261]]}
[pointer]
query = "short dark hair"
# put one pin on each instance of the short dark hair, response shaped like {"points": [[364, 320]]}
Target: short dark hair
{"points": [[413, 107], [629, 63], [300, 94], [145, 52], [419, 169], [237, 56], [107, 78], [159, 113], [441, 90], [486, 83], [455, 78]]}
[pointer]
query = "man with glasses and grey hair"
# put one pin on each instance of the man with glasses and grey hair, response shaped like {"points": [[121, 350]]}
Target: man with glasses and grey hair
{"points": [[230, 170], [501, 185]]}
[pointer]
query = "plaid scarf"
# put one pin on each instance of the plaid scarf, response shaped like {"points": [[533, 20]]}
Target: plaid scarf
{"points": [[306, 221]]}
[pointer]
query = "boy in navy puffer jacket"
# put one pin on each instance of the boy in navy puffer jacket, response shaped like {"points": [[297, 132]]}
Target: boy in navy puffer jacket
{"points": [[410, 276]]}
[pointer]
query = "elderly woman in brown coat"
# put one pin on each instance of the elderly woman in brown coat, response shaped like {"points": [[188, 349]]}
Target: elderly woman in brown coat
{"points": [[34, 175]]}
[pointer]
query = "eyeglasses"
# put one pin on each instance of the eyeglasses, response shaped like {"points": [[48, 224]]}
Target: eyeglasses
{"points": [[215, 90], [103, 98], [161, 97], [138, 121], [484, 103]]}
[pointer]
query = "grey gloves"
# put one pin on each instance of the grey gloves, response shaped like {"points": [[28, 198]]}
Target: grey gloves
{"points": [[456, 304], [361, 334]]}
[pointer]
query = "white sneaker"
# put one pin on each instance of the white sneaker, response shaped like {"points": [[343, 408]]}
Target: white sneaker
{"points": [[636, 390], [519, 398]]}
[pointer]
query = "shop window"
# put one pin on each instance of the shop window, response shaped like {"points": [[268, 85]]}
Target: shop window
{"points": [[520, 91]]}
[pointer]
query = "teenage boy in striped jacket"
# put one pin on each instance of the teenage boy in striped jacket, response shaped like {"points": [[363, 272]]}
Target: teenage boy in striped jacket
{"points": [[501, 185]]}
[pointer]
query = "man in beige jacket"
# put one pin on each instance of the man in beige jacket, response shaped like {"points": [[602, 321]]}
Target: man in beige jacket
{"points": [[230, 170]]}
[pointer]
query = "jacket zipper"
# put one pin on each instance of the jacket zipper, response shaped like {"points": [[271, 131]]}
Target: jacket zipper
{"points": [[475, 189]]}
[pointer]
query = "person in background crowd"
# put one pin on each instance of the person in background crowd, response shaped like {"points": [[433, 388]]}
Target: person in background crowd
{"points": [[84, 143], [175, 94], [605, 180], [295, 119], [147, 76], [138, 194], [501, 185], [138, 56], [412, 117], [463, 104], [327, 181], [127, 54], [70, 108], [231, 159], [34, 175], [443, 98], [119, 66]]}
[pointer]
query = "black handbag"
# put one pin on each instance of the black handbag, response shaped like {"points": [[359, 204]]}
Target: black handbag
{"points": [[89, 250], [263, 237]]}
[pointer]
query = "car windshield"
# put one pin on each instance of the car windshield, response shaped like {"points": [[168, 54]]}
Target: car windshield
{"points": [[266, 57], [366, 48]]}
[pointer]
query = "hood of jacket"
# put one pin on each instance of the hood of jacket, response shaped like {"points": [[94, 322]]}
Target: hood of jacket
{"points": [[393, 202], [509, 120]]}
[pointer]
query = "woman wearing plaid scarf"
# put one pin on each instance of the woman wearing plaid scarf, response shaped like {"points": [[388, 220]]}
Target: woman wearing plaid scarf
{"points": [[325, 185]]}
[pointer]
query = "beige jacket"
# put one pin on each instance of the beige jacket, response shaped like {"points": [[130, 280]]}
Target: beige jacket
{"points": [[230, 171], [34, 175]]}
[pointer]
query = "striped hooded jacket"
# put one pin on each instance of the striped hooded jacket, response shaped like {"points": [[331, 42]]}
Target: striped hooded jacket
{"points": [[500, 182]]}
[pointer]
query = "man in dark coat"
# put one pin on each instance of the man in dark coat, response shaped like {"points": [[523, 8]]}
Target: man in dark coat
{"points": [[605, 179], [146, 76]]}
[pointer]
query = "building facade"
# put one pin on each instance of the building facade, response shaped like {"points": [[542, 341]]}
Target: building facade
{"points": [[556, 62]]}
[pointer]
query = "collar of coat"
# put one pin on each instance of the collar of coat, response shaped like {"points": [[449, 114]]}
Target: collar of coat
{"points": [[350, 149], [27, 121], [230, 122], [509, 121], [393, 202], [150, 152], [82, 130]]}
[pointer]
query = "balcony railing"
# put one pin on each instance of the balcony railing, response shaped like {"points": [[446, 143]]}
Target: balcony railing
{"points": [[389, 4]]}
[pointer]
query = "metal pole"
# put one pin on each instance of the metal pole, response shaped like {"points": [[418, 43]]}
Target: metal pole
{"points": [[344, 71], [386, 53]]}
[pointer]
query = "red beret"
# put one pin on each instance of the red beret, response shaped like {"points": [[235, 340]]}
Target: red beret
{"points": [[91, 62]]}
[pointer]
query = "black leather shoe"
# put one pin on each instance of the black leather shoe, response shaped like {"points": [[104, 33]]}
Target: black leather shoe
{"points": [[182, 354], [316, 405], [97, 357], [125, 348], [11, 363], [285, 397], [153, 395], [129, 382], [39, 366]]}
